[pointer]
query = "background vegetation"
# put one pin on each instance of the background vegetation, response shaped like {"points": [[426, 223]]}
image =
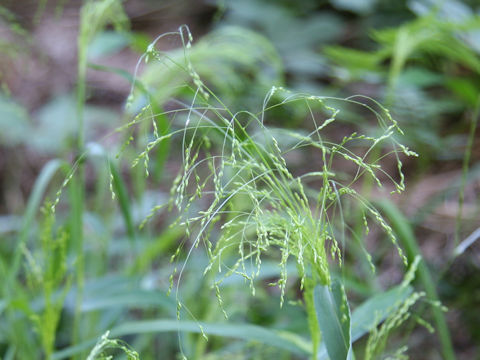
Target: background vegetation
{"points": [[132, 146]]}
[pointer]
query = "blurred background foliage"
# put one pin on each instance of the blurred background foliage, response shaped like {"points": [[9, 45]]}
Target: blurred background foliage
{"points": [[420, 58]]}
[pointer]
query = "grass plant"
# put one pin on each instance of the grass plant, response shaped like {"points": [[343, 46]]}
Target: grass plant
{"points": [[271, 206], [236, 168]]}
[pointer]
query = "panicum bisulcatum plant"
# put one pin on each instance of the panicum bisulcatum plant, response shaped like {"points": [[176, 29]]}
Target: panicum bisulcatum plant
{"points": [[241, 196]]}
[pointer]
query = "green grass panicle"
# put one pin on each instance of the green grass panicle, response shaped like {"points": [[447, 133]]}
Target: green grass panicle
{"points": [[238, 195]]}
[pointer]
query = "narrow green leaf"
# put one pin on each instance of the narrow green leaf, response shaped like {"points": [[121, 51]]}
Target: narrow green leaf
{"points": [[333, 316], [283, 340], [166, 240], [33, 204], [123, 200], [136, 300], [38, 191], [404, 231], [122, 73], [371, 313], [239, 331]]}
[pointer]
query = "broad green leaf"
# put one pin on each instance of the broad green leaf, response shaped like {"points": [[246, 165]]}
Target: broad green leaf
{"points": [[107, 43], [359, 64], [9, 223], [333, 316], [14, 123], [451, 10], [417, 76], [56, 126], [371, 313]]}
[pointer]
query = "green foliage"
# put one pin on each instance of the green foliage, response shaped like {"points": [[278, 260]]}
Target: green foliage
{"points": [[434, 51], [14, 119], [275, 188], [46, 272], [98, 352], [234, 61], [333, 316], [405, 234], [378, 337], [96, 15], [279, 210], [259, 207], [298, 40]]}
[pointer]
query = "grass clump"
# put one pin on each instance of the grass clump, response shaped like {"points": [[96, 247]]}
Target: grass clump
{"points": [[238, 192]]}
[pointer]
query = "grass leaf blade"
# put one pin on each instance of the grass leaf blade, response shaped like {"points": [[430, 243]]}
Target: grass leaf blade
{"points": [[333, 316], [123, 200], [283, 340]]}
